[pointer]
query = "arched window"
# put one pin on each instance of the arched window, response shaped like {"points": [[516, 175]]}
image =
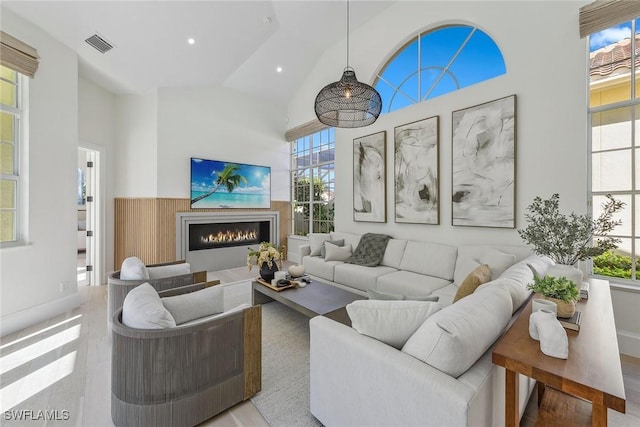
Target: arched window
{"points": [[436, 62]]}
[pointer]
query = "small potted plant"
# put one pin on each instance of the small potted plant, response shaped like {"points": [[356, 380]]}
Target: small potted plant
{"points": [[267, 257], [560, 290], [567, 239]]}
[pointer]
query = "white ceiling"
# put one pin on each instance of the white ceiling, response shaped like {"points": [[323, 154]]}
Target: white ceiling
{"points": [[234, 47]]}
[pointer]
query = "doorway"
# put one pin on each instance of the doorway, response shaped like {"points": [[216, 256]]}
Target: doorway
{"points": [[89, 202]]}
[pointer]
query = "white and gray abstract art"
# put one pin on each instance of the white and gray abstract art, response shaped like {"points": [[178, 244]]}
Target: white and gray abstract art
{"points": [[369, 178], [483, 164], [416, 172]]}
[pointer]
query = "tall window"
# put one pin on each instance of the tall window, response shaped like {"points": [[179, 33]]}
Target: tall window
{"points": [[313, 183], [436, 62], [614, 117], [10, 113]]}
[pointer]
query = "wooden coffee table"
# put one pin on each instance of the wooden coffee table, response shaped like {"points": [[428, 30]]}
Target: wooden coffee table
{"points": [[315, 299], [592, 372]]}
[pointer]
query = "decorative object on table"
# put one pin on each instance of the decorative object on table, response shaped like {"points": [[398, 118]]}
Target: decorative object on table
{"points": [[560, 290], [218, 184], [584, 290], [274, 286], [572, 323], [296, 270], [369, 178], [544, 304], [348, 103], [267, 257], [483, 164], [569, 239], [417, 195], [544, 327], [280, 275]]}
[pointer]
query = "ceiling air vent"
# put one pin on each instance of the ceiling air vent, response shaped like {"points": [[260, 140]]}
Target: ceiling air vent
{"points": [[100, 44]]}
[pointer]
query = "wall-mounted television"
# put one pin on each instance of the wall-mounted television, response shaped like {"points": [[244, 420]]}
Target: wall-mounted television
{"points": [[218, 184]]}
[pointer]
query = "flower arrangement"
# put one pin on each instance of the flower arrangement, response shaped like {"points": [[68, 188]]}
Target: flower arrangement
{"points": [[267, 252], [572, 238]]}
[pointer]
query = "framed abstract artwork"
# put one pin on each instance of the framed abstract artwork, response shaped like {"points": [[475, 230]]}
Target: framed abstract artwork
{"points": [[416, 166], [369, 178], [483, 164]]}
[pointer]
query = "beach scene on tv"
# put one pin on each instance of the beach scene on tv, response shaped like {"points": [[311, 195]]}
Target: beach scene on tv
{"points": [[216, 184]]}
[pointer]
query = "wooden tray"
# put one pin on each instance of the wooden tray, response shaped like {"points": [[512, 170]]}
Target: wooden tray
{"points": [[270, 286]]}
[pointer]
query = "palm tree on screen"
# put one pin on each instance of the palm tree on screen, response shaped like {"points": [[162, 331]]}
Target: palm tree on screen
{"points": [[228, 177]]}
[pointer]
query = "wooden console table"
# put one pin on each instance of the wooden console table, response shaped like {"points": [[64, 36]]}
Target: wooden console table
{"points": [[592, 371]]}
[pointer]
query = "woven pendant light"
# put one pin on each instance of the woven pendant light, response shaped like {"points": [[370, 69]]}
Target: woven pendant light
{"points": [[348, 103]]}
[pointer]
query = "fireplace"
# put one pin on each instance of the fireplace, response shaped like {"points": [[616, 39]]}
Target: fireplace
{"points": [[227, 234], [219, 240]]}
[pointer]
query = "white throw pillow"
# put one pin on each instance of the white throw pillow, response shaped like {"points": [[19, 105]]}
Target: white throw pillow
{"points": [[336, 253], [539, 264], [497, 261], [194, 305], [133, 269], [454, 338], [172, 270], [143, 309], [315, 242], [391, 322]]}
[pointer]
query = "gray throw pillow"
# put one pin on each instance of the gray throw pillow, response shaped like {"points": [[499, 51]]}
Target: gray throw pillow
{"points": [[370, 250], [323, 249], [377, 295]]}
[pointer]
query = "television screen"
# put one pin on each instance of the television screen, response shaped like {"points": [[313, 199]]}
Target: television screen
{"points": [[216, 184]]}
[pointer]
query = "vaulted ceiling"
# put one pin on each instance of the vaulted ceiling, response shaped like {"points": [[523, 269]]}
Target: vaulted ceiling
{"points": [[238, 44]]}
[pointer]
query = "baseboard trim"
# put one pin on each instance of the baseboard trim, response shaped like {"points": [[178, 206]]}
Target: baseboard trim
{"points": [[22, 319], [629, 343]]}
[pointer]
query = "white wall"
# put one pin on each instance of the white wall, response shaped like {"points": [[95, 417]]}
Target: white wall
{"points": [[545, 69], [219, 124], [96, 122], [31, 275], [136, 148]]}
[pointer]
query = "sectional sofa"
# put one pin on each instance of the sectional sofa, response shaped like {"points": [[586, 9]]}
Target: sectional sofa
{"points": [[442, 375]]}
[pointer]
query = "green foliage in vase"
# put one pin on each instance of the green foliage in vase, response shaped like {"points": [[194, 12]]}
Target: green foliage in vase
{"points": [[572, 238], [613, 265], [555, 287]]}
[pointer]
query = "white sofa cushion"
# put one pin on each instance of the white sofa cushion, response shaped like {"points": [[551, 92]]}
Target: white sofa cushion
{"points": [[358, 276], [431, 259], [143, 309], [349, 238], [464, 267], [387, 296], [539, 264], [515, 280], [394, 252], [446, 294], [391, 322], [455, 337], [318, 267], [408, 283], [194, 305], [315, 242], [497, 261], [336, 253], [133, 269], [162, 271]]}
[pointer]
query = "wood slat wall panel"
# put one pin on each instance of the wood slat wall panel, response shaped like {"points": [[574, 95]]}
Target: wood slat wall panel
{"points": [[146, 227]]}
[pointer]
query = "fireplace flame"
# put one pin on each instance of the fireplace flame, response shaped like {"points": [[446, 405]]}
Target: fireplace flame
{"points": [[229, 236]]}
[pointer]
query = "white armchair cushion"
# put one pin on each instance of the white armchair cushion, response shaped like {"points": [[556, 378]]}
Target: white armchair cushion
{"points": [[163, 271], [143, 309], [315, 242], [454, 338], [391, 322], [194, 305], [133, 269]]}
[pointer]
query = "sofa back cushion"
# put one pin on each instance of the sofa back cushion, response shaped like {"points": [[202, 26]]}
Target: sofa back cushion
{"points": [[315, 242], [143, 309], [194, 305], [454, 338], [394, 252], [133, 269], [349, 238], [162, 271], [469, 257], [515, 280], [431, 259]]}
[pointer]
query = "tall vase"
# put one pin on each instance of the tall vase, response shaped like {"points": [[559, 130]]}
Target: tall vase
{"points": [[268, 273], [568, 271]]}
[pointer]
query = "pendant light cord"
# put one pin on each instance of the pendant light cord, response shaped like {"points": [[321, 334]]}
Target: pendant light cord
{"points": [[347, 33]]}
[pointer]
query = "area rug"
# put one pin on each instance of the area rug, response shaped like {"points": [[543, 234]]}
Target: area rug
{"points": [[284, 399]]}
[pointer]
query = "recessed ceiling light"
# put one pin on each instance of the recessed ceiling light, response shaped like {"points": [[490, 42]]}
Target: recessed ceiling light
{"points": [[279, 69], [191, 41]]}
